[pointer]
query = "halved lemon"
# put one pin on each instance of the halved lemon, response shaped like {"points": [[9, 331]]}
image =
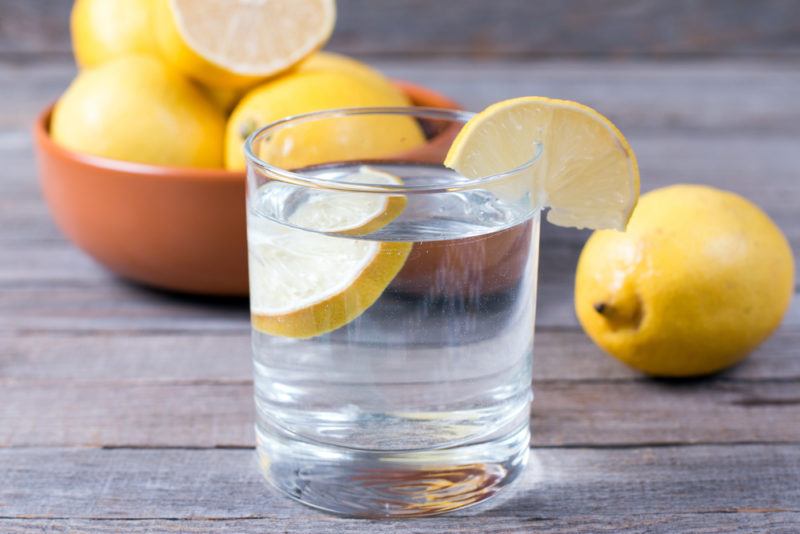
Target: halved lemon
{"points": [[236, 43], [304, 283], [586, 173]]}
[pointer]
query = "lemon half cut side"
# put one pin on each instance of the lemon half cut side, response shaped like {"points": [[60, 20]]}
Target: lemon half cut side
{"points": [[236, 43]]}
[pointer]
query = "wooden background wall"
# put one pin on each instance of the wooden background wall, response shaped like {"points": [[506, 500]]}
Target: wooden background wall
{"points": [[491, 28]]}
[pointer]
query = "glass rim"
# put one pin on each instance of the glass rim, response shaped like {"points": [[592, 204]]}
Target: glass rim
{"points": [[304, 180]]}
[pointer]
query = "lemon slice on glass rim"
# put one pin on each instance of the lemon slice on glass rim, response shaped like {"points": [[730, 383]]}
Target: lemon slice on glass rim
{"points": [[586, 173], [304, 283]]}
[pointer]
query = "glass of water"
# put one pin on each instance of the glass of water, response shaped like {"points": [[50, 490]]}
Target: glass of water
{"points": [[393, 305]]}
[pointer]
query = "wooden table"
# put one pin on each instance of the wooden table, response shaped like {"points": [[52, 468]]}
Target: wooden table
{"points": [[126, 409]]}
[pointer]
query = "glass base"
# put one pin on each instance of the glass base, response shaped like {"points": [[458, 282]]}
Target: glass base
{"points": [[374, 484]]}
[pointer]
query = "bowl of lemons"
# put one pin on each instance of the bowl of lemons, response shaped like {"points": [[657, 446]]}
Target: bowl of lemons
{"points": [[140, 159]]}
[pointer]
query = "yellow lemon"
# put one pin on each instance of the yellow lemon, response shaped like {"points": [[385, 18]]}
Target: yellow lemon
{"points": [[224, 97], [320, 141], [329, 61], [236, 43], [135, 108], [304, 283], [586, 172], [698, 280], [105, 29]]}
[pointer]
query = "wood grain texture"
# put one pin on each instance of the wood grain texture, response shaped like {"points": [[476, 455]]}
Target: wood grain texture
{"points": [[60, 311], [729, 522], [110, 305], [713, 95], [565, 413], [560, 486], [567, 28], [87, 360], [82, 303], [502, 27], [210, 358]]}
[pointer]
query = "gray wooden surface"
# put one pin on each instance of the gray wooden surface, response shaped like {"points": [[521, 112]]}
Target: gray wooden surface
{"points": [[499, 28], [128, 410]]}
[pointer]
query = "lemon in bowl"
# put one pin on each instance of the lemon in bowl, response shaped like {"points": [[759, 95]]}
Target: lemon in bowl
{"points": [[333, 62], [135, 108], [313, 90], [180, 228], [105, 29]]}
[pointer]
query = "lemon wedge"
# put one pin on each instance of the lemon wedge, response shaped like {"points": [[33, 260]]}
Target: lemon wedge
{"points": [[236, 43], [586, 173], [304, 283]]}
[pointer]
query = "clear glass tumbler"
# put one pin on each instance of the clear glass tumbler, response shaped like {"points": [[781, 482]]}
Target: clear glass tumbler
{"points": [[393, 305]]}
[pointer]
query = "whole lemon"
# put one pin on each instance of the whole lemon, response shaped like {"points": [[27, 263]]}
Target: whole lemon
{"points": [[332, 62], [135, 108], [105, 29], [302, 92], [225, 98], [698, 280]]}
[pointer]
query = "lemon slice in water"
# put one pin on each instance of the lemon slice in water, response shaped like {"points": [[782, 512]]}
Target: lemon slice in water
{"points": [[304, 283], [353, 213], [586, 174]]}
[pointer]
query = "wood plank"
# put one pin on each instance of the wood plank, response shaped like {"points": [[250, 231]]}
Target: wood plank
{"points": [[112, 414], [105, 306], [565, 413], [27, 89], [46, 283], [504, 27], [88, 361], [726, 96], [723, 96], [761, 168], [706, 411], [559, 485], [48, 260], [570, 355], [101, 306], [567, 28], [49, 285], [142, 358], [40, 294], [95, 301], [728, 522], [186, 358]]}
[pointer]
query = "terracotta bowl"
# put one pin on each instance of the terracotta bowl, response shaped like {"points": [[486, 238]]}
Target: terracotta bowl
{"points": [[174, 228]]}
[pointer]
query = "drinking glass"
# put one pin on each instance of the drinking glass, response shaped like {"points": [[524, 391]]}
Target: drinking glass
{"points": [[393, 305]]}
